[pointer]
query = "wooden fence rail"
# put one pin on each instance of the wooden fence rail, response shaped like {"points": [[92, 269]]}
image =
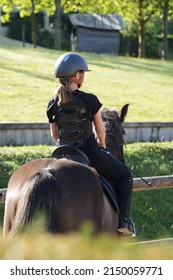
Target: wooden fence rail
{"points": [[39, 133], [158, 243], [157, 182]]}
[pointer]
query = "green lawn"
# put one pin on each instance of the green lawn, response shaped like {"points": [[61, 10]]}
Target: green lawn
{"points": [[27, 83]]}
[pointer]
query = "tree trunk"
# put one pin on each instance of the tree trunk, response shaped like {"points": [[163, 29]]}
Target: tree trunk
{"points": [[164, 51], [33, 26], [141, 39], [23, 34], [57, 22], [141, 33]]}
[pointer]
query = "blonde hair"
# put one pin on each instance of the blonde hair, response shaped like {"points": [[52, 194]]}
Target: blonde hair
{"points": [[63, 94]]}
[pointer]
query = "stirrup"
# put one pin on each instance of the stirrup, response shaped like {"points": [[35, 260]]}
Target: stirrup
{"points": [[129, 231], [125, 232]]}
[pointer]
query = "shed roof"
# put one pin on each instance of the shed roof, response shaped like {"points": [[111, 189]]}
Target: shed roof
{"points": [[96, 21]]}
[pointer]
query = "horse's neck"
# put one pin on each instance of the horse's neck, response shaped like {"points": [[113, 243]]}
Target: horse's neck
{"points": [[114, 131], [114, 143]]}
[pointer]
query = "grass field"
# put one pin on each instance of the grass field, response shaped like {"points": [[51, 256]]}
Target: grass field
{"points": [[27, 83], [81, 246]]}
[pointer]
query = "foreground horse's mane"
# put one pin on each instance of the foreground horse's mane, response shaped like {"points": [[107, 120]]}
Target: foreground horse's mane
{"points": [[113, 121]]}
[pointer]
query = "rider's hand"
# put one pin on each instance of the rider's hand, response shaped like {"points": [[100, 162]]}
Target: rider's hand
{"points": [[102, 145]]}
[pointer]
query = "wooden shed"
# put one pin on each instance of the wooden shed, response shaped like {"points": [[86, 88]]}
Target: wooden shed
{"points": [[96, 33]]}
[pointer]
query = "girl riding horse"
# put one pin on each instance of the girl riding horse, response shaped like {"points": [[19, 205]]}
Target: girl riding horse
{"points": [[72, 114]]}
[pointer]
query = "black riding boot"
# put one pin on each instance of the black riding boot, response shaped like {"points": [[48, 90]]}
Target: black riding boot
{"points": [[124, 194], [112, 168]]}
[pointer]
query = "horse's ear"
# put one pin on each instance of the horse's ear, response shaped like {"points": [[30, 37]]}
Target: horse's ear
{"points": [[124, 111]]}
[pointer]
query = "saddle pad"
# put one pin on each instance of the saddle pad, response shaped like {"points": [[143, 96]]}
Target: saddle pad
{"points": [[109, 192]]}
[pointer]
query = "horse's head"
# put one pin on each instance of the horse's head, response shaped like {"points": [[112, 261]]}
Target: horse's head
{"points": [[115, 131]]}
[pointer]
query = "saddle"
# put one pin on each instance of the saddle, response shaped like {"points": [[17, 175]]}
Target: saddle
{"points": [[73, 153], [70, 152]]}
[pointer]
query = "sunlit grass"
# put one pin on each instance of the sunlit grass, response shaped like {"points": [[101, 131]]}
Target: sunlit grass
{"points": [[79, 246], [27, 83]]}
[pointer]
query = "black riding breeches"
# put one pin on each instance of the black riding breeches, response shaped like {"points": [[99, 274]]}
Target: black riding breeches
{"points": [[110, 167]]}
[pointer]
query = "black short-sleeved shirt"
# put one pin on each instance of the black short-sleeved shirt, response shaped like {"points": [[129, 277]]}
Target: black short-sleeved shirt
{"points": [[90, 100]]}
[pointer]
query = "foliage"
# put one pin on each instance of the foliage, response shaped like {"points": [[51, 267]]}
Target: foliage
{"points": [[139, 12], [138, 156], [126, 8], [166, 4], [15, 29], [45, 39], [13, 157], [150, 159], [7, 8], [129, 39], [25, 7], [152, 211], [81, 6], [136, 12]]}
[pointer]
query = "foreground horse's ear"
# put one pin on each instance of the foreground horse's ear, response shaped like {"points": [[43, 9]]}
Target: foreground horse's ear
{"points": [[124, 111]]}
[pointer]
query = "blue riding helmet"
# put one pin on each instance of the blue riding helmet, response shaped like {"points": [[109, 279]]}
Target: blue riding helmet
{"points": [[69, 63]]}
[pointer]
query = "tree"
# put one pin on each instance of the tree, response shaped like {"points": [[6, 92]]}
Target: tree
{"points": [[57, 21], [166, 10], [136, 10], [27, 8]]}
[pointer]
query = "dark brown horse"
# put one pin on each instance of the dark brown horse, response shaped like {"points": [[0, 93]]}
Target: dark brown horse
{"points": [[67, 192]]}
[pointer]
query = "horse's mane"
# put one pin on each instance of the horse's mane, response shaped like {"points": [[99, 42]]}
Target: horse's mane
{"points": [[114, 130]]}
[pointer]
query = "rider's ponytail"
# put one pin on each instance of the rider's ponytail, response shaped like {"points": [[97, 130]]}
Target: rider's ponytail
{"points": [[63, 95]]}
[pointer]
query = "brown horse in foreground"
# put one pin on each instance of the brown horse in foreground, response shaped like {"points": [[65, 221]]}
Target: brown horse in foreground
{"points": [[67, 192]]}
